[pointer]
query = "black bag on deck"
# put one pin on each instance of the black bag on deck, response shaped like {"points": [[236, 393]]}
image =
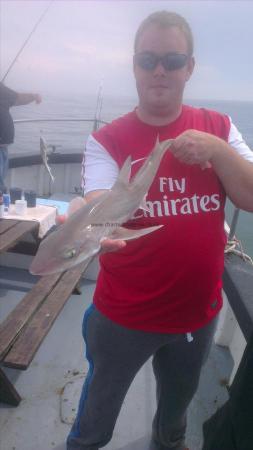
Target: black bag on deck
{"points": [[231, 427]]}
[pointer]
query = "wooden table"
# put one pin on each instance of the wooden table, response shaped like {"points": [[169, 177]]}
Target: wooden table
{"points": [[12, 231]]}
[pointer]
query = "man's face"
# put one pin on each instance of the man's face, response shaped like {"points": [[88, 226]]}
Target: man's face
{"points": [[159, 89]]}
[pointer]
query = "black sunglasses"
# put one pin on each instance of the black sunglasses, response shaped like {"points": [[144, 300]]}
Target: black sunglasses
{"points": [[170, 61]]}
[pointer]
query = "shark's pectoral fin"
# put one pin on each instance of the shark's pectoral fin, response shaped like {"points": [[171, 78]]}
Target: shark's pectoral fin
{"points": [[127, 234]]}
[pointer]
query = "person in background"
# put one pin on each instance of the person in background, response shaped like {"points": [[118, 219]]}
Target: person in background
{"points": [[9, 98], [159, 296]]}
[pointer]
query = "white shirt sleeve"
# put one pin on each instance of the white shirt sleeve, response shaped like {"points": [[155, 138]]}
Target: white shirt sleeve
{"points": [[99, 169], [236, 141]]}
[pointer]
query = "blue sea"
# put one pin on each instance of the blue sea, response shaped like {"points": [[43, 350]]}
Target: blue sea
{"points": [[71, 136]]}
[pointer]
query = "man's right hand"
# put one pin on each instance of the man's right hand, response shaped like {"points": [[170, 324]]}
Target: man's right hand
{"points": [[111, 245]]}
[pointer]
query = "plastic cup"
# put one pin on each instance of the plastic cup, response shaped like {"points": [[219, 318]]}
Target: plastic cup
{"points": [[15, 194], [30, 197]]}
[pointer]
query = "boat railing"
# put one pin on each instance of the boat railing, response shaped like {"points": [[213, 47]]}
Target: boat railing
{"points": [[59, 119], [94, 121], [34, 158]]}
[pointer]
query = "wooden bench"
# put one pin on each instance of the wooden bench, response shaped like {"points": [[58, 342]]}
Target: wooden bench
{"points": [[12, 231], [26, 326]]}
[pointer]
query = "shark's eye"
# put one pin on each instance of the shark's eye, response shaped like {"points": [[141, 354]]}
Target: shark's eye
{"points": [[69, 253]]}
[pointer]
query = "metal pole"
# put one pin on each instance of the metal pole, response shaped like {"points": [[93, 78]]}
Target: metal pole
{"points": [[233, 224]]}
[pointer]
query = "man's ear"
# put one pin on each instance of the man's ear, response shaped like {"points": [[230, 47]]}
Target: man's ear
{"points": [[134, 65], [134, 68], [190, 67]]}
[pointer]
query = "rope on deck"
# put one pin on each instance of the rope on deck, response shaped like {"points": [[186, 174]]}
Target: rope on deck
{"points": [[235, 246]]}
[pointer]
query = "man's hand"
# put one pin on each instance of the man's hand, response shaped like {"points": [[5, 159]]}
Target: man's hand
{"points": [[234, 172], [26, 98], [110, 245], [195, 147], [37, 98]]}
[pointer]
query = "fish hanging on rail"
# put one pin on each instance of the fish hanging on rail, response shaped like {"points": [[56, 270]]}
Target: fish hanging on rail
{"points": [[44, 156]]}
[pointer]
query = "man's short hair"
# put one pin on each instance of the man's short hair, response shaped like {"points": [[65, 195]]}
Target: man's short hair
{"points": [[166, 19]]}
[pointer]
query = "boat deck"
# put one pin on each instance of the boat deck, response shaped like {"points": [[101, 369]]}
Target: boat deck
{"points": [[50, 387]]}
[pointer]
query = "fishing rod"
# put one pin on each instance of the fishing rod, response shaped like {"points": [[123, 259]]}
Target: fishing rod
{"points": [[26, 41], [98, 107]]}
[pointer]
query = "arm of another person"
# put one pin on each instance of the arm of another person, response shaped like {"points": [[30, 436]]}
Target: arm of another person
{"points": [[26, 98], [233, 166], [8, 97]]}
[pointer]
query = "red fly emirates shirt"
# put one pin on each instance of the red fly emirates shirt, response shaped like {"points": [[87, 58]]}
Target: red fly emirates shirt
{"points": [[170, 280]]}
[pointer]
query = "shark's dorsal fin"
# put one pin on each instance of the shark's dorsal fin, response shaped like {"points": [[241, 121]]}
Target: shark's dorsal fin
{"points": [[125, 172]]}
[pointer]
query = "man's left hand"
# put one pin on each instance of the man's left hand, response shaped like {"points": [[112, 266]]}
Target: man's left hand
{"points": [[195, 147]]}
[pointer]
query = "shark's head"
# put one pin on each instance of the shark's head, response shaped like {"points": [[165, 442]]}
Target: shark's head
{"points": [[72, 243], [57, 254]]}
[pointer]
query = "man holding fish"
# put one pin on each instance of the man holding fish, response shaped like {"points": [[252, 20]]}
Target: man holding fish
{"points": [[158, 296]]}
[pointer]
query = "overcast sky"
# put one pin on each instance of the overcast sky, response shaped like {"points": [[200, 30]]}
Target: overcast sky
{"points": [[79, 43]]}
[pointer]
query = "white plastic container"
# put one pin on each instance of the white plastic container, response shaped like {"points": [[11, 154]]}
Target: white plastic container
{"points": [[1, 211], [20, 207]]}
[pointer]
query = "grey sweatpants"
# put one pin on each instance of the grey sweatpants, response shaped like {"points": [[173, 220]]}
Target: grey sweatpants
{"points": [[115, 355]]}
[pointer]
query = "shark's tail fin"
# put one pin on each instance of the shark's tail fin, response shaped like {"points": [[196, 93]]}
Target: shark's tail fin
{"points": [[166, 144]]}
